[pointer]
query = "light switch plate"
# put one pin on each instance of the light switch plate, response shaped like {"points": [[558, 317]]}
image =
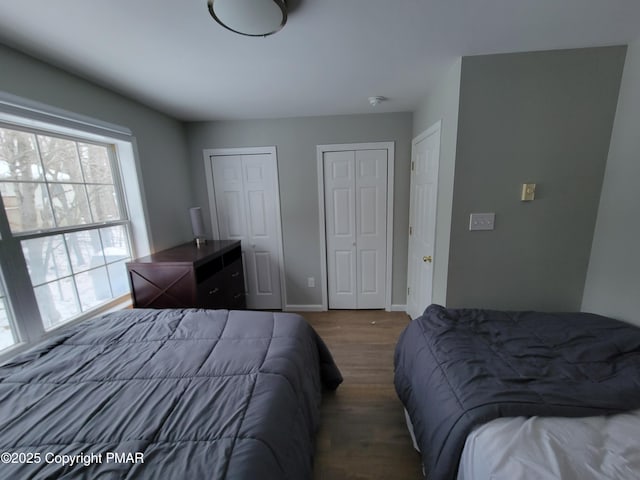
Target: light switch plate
{"points": [[482, 221]]}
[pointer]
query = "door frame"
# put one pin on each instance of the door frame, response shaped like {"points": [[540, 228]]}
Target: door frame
{"points": [[207, 153], [433, 129], [320, 150]]}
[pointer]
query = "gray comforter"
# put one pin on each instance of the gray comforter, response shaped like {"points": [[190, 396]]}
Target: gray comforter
{"points": [[167, 394], [455, 369]]}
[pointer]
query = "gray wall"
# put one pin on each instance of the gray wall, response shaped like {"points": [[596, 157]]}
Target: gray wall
{"points": [[160, 139], [613, 279], [296, 140], [541, 117], [441, 103]]}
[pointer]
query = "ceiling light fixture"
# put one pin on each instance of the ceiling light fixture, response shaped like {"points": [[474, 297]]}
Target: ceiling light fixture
{"points": [[253, 18]]}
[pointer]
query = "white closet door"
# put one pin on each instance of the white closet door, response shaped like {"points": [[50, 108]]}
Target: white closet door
{"points": [[246, 196], [227, 181], [340, 198], [371, 223], [355, 185]]}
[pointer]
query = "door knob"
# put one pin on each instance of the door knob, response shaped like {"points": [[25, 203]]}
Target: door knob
{"points": [[427, 259]]}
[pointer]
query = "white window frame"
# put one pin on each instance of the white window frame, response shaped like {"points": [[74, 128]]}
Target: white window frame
{"points": [[30, 115]]}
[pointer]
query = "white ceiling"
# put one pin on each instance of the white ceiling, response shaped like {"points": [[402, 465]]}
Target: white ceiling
{"points": [[328, 59]]}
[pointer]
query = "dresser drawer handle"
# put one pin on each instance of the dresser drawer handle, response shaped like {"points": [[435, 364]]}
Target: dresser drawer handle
{"points": [[235, 274], [214, 291], [237, 295]]}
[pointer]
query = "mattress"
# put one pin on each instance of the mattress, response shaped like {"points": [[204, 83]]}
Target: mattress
{"points": [[457, 369], [602, 447], [167, 394]]}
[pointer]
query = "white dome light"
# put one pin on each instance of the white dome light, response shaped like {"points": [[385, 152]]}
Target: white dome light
{"points": [[253, 18]]}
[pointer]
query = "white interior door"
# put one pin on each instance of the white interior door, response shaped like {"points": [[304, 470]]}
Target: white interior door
{"points": [[422, 219], [246, 196], [355, 193], [371, 227], [340, 208]]}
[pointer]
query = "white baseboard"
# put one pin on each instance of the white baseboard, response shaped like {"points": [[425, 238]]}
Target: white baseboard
{"points": [[320, 308], [304, 308]]}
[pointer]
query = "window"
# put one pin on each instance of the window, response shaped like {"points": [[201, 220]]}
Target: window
{"points": [[66, 231], [75, 272], [58, 195]]}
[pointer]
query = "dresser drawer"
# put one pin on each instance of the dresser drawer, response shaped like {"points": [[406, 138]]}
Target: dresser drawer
{"points": [[235, 286], [212, 292]]}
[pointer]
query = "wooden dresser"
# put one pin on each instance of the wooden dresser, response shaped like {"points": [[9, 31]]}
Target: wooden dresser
{"points": [[209, 276]]}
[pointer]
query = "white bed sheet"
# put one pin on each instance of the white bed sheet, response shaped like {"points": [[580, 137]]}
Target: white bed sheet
{"points": [[554, 448]]}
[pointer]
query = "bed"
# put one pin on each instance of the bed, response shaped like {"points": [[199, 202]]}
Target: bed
{"points": [[167, 394], [493, 394]]}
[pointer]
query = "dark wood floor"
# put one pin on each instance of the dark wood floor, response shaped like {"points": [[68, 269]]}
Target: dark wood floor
{"points": [[363, 434]]}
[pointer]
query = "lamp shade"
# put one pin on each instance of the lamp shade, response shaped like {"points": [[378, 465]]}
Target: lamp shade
{"points": [[254, 18], [197, 225]]}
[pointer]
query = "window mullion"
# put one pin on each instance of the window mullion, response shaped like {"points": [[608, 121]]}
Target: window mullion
{"points": [[72, 273], [39, 155], [46, 182], [106, 263], [84, 185], [63, 230]]}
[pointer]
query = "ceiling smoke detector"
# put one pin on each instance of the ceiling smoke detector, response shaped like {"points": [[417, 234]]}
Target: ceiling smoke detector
{"points": [[374, 101]]}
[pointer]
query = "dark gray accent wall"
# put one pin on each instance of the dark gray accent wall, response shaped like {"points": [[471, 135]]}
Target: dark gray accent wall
{"points": [[544, 118], [161, 140], [613, 280], [296, 140]]}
